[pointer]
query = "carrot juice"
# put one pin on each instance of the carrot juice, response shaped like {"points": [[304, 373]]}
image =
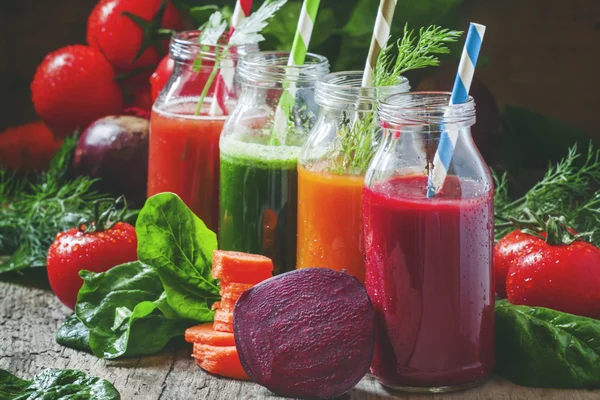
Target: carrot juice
{"points": [[330, 221], [184, 158]]}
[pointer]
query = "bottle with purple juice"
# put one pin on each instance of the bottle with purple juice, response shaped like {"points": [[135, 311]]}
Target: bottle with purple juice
{"points": [[429, 260]]}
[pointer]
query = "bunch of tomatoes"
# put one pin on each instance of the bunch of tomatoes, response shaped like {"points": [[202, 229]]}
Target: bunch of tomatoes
{"points": [[126, 41]]}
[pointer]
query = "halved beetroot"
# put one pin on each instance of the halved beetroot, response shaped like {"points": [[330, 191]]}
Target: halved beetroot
{"points": [[205, 334], [233, 266], [306, 333]]}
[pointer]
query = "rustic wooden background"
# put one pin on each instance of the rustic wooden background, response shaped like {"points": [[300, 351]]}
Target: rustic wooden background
{"points": [[544, 53]]}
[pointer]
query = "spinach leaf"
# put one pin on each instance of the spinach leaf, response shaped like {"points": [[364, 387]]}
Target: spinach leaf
{"points": [[54, 384], [541, 347], [126, 311], [177, 244], [74, 334]]}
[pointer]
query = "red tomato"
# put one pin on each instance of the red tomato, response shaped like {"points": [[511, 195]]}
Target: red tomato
{"points": [[73, 87], [120, 39], [161, 75], [73, 251], [562, 277], [505, 252]]}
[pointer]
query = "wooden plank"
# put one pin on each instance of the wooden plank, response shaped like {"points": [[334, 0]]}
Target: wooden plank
{"points": [[30, 316]]}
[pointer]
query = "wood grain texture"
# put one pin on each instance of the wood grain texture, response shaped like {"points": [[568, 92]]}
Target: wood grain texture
{"points": [[30, 316]]}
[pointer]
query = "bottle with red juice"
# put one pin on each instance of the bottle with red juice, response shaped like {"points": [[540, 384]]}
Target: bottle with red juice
{"points": [[429, 259], [184, 135]]}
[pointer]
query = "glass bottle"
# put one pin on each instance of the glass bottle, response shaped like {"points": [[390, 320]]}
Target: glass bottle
{"points": [[331, 170], [429, 260], [184, 135], [259, 153]]}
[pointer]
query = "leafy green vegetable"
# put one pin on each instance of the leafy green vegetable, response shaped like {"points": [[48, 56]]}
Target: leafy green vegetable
{"points": [[540, 347], [55, 384], [35, 210], [125, 311], [74, 334], [177, 244], [566, 190], [249, 30]]}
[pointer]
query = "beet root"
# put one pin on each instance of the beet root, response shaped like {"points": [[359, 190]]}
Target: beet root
{"points": [[308, 333]]}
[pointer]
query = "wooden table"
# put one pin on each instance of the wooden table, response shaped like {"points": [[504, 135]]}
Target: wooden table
{"points": [[30, 316]]}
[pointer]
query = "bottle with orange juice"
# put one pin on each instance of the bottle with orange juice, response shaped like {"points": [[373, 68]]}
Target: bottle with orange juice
{"points": [[331, 169]]}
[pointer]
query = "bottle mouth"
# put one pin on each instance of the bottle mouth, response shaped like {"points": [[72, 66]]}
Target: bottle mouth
{"points": [[184, 47], [272, 67], [344, 89], [425, 108]]}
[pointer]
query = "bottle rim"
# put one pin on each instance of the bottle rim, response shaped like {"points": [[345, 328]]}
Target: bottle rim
{"points": [[425, 108], [272, 67], [184, 47], [344, 89]]}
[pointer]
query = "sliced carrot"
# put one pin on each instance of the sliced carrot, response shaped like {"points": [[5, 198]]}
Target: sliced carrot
{"points": [[224, 318], [227, 305], [233, 266], [233, 291], [223, 361], [205, 334], [216, 305], [222, 327]]}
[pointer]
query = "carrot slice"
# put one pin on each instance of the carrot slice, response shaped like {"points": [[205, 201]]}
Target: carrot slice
{"points": [[222, 327], [223, 361], [205, 334], [233, 291], [233, 266], [223, 318], [227, 305]]}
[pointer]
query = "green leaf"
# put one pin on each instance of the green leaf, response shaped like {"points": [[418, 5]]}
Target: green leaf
{"points": [[177, 244], [74, 334], [213, 30], [540, 347], [55, 384], [126, 311], [249, 30]]}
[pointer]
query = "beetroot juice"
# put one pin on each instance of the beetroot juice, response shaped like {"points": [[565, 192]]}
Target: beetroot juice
{"points": [[430, 280]]}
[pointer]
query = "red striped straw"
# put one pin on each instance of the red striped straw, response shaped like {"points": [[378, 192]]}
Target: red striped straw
{"points": [[224, 81]]}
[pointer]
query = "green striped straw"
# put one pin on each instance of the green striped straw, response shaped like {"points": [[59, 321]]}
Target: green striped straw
{"points": [[306, 22]]}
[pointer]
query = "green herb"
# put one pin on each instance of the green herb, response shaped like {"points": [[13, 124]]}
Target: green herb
{"points": [[565, 190], [357, 134], [541, 347], [432, 42], [36, 209], [179, 246], [125, 312], [249, 30], [55, 384]]}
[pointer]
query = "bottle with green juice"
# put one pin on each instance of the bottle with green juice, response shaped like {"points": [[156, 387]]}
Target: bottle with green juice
{"points": [[259, 149]]}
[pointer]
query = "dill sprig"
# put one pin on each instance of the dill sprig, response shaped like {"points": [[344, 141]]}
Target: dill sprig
{"points": [[34, 209], [357, 137], [565, 190], [410, 55]]}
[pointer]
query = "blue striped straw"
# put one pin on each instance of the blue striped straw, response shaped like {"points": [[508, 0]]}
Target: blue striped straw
{"points": [[460, 94]]}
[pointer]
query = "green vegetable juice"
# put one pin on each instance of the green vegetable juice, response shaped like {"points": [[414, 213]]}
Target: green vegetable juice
{"points": [[258, 197]]}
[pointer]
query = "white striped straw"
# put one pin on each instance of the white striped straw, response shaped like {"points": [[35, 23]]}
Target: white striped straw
{"points": [[306, 23], [460, 94], [227, 73], [381, 35]]}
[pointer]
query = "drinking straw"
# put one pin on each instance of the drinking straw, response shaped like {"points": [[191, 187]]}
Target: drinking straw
{"points": [[224, 81], [306, 22], [381, 34], [460, 94]]}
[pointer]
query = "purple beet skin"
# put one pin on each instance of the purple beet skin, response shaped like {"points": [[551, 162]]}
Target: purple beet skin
{"points": [[115, 149], [308, 333]]}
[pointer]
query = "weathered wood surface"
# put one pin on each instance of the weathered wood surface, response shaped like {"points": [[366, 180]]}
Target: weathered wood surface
{"points": [[30, 316]]}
